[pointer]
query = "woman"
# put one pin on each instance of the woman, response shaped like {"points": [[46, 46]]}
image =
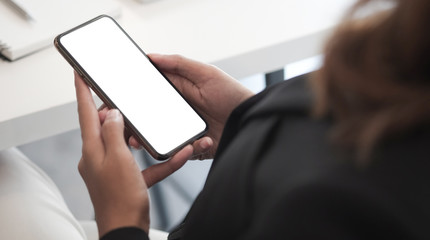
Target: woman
{"points": [[339, 154]]}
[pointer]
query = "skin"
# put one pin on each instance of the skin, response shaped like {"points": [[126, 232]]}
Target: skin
{"points": [[213, 93], [117, 187]]}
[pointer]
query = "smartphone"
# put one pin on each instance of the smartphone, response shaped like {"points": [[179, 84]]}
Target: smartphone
{"points": [[123, 77]]}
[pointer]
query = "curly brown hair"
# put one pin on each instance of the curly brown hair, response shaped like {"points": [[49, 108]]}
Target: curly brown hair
{"points": [[375, 79]]}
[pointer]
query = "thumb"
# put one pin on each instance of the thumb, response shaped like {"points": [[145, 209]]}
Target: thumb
{"points": [[113, 130], [158, 172]]}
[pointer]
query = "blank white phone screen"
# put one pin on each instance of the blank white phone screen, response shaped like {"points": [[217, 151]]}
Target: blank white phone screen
{"points": [[133, 84]]}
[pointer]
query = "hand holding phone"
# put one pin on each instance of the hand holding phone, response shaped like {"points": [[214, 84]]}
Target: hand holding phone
{"points": [[212, 92], [122, 75], [114, 180]]}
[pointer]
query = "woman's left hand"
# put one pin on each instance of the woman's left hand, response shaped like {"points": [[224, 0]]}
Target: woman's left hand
{"points": [[117, 187]]}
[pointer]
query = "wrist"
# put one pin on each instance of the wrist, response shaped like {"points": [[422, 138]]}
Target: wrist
{"points": [[108, 222]]}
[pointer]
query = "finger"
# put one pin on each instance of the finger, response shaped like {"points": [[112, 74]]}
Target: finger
{"points": [[202, 146], [158, 172], [190, 69], [113, 131], [102, 114], [88, 115], [134, 143]]}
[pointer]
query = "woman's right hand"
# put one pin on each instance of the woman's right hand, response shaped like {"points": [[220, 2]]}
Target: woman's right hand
{"points": [[213, 93]]}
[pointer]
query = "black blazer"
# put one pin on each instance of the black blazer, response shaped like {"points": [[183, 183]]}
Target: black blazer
{"points": [[277, 175]]}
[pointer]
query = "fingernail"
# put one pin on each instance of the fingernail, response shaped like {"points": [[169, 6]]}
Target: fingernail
{"points": [[113, 114], [154, 54], [205, 144]]}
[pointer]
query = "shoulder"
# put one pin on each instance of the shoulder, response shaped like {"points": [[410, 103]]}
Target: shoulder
{"points": [[289, 97]]}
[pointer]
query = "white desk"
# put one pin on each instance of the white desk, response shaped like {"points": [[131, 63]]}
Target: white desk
{"points": [[242, 37]]}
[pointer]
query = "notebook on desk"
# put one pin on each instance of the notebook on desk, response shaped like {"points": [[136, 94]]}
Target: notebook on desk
{"points": [[20, 37]]}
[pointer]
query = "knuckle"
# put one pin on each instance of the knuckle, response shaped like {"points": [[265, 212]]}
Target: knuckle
{"points": [[81, 167]]}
